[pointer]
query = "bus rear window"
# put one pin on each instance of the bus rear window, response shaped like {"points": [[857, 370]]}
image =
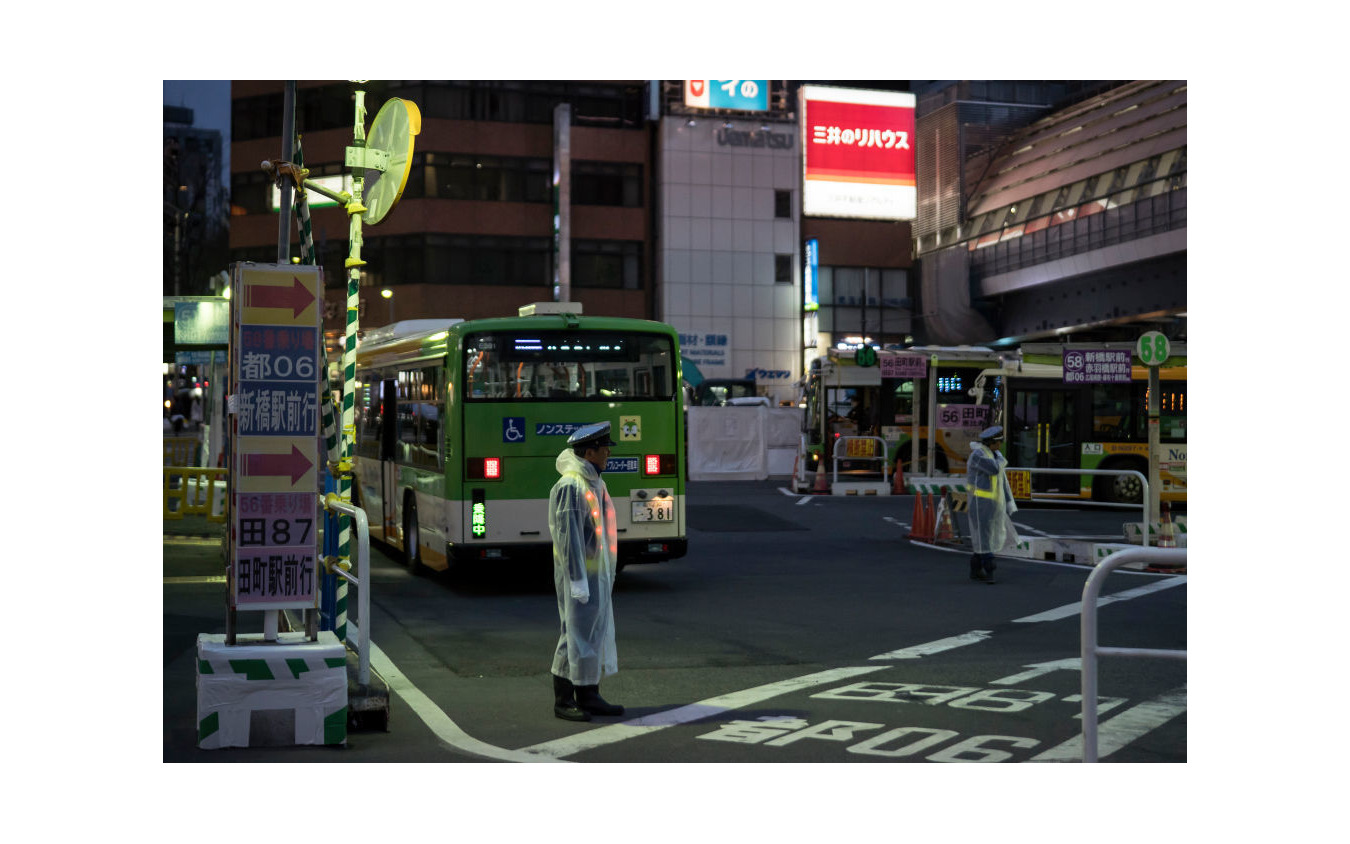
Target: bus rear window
{"points": [[556, 365]]}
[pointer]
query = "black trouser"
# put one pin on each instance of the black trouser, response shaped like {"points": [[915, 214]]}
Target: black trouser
{"points": [[981, 563]]}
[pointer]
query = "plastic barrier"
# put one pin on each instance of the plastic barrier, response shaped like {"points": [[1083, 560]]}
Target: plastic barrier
{"points": [[841, 446], [181, 451], [190, 491]]}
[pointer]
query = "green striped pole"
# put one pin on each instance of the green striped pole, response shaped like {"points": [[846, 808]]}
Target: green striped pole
{"points": [[335, 588], [353, 266]]}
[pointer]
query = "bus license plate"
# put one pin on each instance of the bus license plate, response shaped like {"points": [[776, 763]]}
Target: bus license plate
{"points": [[660, 510]]}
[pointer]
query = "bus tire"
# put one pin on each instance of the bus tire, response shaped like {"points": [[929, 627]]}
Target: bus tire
{"points": [[412, 552], [1120, 489]]}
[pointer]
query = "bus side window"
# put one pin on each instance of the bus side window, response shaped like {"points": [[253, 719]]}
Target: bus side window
{"points": [[388, 418]]}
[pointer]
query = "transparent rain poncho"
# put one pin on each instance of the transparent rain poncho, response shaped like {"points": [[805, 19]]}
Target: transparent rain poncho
{"points": [[585, 552], [991, 527]]}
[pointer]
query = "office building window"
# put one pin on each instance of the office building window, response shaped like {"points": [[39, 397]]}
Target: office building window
{"points": [[482, 177], [782, 204], [782, 269], [606, 183], [607, 263]]}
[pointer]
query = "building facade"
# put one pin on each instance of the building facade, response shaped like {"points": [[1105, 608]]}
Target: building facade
{"points": [[1052, 210], [1043, 209]]}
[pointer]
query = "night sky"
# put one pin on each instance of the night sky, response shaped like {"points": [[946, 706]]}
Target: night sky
{"points": [[210, 103]]}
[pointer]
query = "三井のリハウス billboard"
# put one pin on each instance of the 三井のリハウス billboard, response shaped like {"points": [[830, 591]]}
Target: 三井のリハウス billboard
{"points": [[858, 153]]}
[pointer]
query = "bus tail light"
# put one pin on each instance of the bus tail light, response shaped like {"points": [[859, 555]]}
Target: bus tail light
{"points": [[483, 468], [658, 464]]}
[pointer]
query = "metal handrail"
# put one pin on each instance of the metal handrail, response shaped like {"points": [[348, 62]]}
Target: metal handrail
{"points": [[1143, 539], [884, 458], [361, 581], [1088, 643]]}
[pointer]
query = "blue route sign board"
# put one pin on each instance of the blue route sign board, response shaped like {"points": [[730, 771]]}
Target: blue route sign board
{"points": [[278, 387]]}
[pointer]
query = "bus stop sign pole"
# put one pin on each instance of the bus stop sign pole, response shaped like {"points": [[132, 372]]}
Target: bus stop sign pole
{"points": [[1152, 349]]}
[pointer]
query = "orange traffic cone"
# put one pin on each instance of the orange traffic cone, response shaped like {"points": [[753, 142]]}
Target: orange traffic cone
{"points": [[1167, 537], [898, 479], [916, 521], [930, 523], [822, 485]]}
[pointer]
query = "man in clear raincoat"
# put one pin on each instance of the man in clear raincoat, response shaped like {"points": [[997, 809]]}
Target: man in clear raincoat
{"points": [[585, 554], [990, 502]]}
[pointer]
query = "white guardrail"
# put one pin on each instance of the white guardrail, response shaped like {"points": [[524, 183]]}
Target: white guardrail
{"points": [[1088, 620], [1140, 475], [361, 581]]}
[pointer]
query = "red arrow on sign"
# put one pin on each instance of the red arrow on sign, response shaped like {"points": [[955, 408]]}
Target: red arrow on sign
{"points": [[696, 86], [296, 297], [295, 464]]}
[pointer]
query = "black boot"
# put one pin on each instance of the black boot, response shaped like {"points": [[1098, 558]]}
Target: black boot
{"points": [[977, 568], [588, 698], [989, 568], [563, 704]]}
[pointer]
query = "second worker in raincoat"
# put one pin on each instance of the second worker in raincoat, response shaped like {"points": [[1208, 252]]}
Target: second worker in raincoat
{"points": [[991, 503], [585, 555]]}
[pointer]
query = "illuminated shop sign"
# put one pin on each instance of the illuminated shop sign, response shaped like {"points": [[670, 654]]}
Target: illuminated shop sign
{"points": [[740, 94], [858, 153], [810, 288], [337, 184]]}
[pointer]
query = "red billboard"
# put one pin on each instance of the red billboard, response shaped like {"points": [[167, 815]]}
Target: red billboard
{"points": [[858, 156]]}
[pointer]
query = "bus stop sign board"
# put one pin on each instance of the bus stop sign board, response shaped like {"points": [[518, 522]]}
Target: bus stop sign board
{"points": [[275, 364]]}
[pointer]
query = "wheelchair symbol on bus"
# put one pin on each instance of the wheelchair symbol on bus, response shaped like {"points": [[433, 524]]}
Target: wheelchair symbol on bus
{"points": [[513, 429]]}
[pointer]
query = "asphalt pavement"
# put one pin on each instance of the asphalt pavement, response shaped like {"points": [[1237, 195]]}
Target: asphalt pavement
{"points": [[497, 632]]}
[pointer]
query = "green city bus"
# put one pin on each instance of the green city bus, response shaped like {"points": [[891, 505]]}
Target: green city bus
{"points": [[459, 424]]}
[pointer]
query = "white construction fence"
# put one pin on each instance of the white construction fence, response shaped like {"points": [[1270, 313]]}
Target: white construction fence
{"points": [[745, 443]]}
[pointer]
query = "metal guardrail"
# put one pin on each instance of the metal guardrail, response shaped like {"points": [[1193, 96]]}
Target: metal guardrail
{"points": [[1140, 475], [361, 581], [193, 490], [1088, 640], [884, 458]]}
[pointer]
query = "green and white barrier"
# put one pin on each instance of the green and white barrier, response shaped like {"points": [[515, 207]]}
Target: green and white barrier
{"points": [[291, 691]]}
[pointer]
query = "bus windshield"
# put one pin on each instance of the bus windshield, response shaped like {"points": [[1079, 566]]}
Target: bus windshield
{"points": [[554, 365]]}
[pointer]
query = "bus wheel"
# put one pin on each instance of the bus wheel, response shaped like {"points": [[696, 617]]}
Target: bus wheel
{"points": [[1120, 489], [412, 552]]}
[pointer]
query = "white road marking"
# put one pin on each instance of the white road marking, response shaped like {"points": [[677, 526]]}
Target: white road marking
{"points": [[1037, 669], [432, 715], [1076, 608], [682, 715], [806, 499], [1122, 729], [917, 651], [1115, 733]]}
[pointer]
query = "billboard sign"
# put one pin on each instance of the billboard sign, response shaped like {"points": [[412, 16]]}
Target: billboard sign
{"points": [[858, 153], [811, 287], [740, 94]]}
